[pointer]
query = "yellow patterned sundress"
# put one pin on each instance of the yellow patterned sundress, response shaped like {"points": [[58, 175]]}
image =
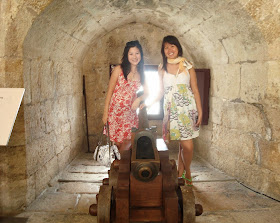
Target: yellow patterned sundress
{"points": [[180, 112]]}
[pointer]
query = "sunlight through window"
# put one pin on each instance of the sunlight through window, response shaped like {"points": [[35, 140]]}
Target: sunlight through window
{"points": [[153, 86], [152, 80]]}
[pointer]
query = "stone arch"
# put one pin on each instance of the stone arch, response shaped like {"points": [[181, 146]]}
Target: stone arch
{"points": [[236, 52]]}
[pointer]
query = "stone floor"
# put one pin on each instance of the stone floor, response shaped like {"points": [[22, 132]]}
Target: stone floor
{"points": [[224, 200]]}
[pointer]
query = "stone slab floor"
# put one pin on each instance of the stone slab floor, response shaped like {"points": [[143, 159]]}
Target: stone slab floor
{"points": [[224, 200]]}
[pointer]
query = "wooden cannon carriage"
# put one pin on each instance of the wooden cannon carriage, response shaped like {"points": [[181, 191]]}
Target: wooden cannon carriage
{"points": [[144, 186]]}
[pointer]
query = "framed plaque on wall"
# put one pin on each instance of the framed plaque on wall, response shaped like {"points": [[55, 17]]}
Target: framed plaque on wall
{"points": [[10, 100]]}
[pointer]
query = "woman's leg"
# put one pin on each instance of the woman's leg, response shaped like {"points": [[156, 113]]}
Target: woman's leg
{"points": [[181, 166], [187, 155]]}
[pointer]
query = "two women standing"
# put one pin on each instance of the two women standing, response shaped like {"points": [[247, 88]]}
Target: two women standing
{"points": [[178, 84]]}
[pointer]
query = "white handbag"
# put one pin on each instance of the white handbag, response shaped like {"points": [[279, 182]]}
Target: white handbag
{"points": [[106, 153]]}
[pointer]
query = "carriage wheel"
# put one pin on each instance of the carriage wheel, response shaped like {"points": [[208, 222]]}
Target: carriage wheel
{"points": [[187, 204], [104, 204], [113, 176]]}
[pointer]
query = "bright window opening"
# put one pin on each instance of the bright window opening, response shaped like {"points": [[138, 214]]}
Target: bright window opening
{"points": [[152, 80], [153, 86]]}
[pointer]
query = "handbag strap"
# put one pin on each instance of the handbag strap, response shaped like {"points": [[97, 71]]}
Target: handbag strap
{"points": [[108, 139], [100, 141], [108, 135]]}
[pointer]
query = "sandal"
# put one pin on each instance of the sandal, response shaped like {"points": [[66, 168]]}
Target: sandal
{"points": [[188, 181]]}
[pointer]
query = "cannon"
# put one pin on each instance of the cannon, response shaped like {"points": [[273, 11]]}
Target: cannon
{"points": [[144, 186]]}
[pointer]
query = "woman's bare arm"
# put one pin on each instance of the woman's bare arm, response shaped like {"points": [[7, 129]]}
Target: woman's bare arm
{"points": [[112, 84], [194, 88]]}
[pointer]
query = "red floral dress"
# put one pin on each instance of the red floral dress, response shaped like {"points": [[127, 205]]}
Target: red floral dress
{"points": [[121, 117]]}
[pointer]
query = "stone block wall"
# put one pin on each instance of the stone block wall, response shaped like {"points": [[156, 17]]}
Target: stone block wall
{"points": [[14, 24], [49, 129], [46, 46], [54, 120], [242, 138]]}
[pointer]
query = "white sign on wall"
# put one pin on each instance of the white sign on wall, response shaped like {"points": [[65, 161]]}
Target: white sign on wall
{"points": [[10, 100]]}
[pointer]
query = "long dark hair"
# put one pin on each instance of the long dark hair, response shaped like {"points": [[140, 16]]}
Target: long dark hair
{"points": [[126, 66], [171, 40]]}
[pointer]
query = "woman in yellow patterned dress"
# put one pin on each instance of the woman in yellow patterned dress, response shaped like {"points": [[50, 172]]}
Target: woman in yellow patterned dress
{"points": [[182, 105]]}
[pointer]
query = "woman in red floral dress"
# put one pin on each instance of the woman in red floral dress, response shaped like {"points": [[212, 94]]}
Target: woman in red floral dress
{"points": [[121, 100]]}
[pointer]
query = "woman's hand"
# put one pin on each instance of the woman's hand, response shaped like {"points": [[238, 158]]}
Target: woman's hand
{"points": [[135, 104], [143, 105], [199, 120]]}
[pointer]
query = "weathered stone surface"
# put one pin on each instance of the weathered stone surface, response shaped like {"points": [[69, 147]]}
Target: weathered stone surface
{"points": [[84, 202], [82, 177], [215, 115], [241, 48], [253, 82], [226, 139], [221, 199], [12, 179], [261, 179], [205, 133], [219, 186], [270, 155], [210, 176], [63, 140], [13, 70], [45, 174], [55, 202], [35, 71], [273, 123], [93, 141], [273, 96], [47, 76], [64, 157], [87, 169], [31, 189], [273, 49], [42, 217], [46, 150], [27, 81], [219, 158], [79, 187], [75, 105], [63, 79], [228, 201], [226, 81], [238, 115], [59, 114], [215, 217], [256, 216], [261, 11], [2, 72], [17, 137], [31, 157], [86, 162], [78, 127], [13, 199]]}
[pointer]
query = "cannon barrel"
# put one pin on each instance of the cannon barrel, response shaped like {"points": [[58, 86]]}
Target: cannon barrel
{"points": [[145, 161]]}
